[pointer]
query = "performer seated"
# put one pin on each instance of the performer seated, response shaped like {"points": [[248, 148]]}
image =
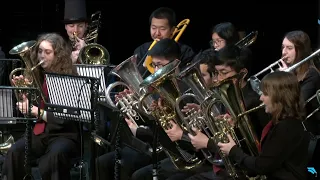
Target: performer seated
{"points": [[284, 142], [54, 141]]}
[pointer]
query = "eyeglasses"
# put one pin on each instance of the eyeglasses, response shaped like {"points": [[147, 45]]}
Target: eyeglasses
{"points": [[218, 42]]}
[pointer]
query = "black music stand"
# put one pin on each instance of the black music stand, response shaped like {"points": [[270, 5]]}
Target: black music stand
{"points": [[74, 98], [9, 114]]}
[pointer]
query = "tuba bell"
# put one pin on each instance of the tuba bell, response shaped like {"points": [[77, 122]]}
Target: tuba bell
{"points": [[163, 82], [30, 79]]}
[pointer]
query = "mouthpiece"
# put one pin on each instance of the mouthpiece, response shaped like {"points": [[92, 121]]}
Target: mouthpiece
{"points": [[41, 62]]}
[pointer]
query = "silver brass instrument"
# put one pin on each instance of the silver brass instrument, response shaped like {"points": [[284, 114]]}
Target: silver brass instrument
{"points": [[195, 119], [248, 40], [255, 81], [128, 72], [163, 83]]}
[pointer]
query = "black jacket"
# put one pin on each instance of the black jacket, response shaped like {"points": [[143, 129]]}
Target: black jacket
{"points": [[285, 145]]}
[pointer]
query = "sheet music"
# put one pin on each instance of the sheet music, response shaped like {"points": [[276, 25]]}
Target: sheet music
{"points": [[72, 92], [96, 71], [6, 108]]}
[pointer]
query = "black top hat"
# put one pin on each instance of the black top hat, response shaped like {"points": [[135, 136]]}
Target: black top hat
{"points": [[75, 11]]}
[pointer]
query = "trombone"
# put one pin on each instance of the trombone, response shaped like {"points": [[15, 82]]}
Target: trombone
{"points": [[180, 28]]}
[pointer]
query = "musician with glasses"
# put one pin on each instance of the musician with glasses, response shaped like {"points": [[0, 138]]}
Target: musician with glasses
{"points": [[54, 140], [284, 142], [229, 61], [76, 21], [162, 25], [296, 46], [166, 169], [223, 34]]}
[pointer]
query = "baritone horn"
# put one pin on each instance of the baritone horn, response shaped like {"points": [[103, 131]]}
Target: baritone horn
{"points": [[178, 31], [29, 80], [163, 83]]}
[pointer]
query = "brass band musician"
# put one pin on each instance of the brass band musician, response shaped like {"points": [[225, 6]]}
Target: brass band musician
{"points": [[54, 140]]}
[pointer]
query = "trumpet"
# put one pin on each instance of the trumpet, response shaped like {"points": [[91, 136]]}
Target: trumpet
{"points": [[255, 81], [180, 28]]}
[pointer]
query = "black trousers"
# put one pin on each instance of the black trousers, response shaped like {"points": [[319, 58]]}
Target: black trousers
{"points": [[53, 155], [167, 171], [131, 160]]}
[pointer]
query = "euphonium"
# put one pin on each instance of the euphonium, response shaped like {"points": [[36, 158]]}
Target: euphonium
{"points": [[128, 72], [180, 28], [211, 123], [163, 82], [30, 80]]}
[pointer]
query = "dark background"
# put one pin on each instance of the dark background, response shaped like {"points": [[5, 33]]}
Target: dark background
{"points": [[125, 25]]}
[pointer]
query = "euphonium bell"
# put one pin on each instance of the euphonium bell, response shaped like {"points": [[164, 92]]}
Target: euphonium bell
{"points": [[94, 54], [128, 72], [29, 80], [163, 82]]}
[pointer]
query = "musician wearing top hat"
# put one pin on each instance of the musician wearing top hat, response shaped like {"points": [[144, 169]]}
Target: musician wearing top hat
{"points": [[76, 24]]}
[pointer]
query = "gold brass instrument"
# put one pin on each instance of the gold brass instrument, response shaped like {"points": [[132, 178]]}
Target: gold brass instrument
{"points": [[128, 72], [29, 80], [93, 53], [4, 147], [163, 83], [180, 28], [248, 40], [202, 94]]}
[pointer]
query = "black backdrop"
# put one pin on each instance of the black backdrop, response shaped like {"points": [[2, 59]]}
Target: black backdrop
{"points": [[125, 25]]}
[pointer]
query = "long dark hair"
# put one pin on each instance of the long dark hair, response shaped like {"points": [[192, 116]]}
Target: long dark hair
{"points": [[284, 91]]}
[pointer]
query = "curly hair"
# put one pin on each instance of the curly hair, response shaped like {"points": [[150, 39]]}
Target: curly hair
{"points": [[62, 63], [284, 91]]}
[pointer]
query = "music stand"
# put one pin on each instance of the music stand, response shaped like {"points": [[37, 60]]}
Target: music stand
{"points": [[9, 114], [74, 98]]}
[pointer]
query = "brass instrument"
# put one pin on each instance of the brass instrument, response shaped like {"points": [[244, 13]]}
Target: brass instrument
{"points": [[4, 147], [93, 53], [128, 72], [29, 80], [180, 28], [163, 82], [202, 94], [255, 81], [248, 40]]}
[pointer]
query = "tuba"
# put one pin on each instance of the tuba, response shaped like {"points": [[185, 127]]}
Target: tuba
{"points": [[163, 83], [128, 72], [30, 79], [180, 28], [93, 53]]}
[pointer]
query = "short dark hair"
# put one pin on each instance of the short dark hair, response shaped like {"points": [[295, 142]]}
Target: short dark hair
{"points": [[164, 13], [167, 48], [235, 57], [207, 57], [227, 31]]}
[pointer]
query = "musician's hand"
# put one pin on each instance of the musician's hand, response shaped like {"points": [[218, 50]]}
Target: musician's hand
{"points": [[175, 133], [122, 94], [200, 140], [190, 106], [226, 147], [283, 65], [80, 43], [19, 79], [74, 56], [229, 119], [133, 127], [23, 106]]}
